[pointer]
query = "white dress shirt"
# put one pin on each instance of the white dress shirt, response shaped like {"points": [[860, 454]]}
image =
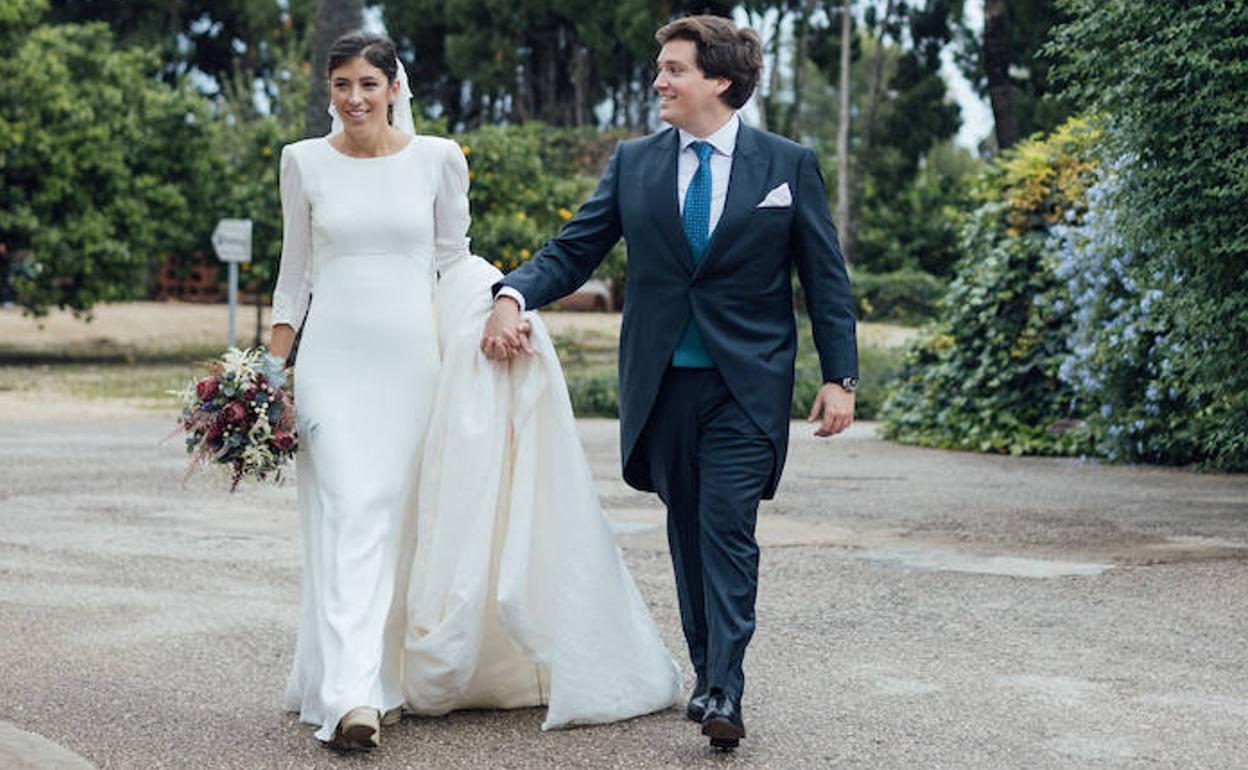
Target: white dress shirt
{"points": [[724, 142]]}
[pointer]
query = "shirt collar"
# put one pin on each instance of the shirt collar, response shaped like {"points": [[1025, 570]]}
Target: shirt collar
{"points": [[724, 140]]}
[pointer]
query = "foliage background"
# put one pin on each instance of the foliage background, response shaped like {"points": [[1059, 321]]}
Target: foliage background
{"points": [[984, 376], [1101, 303]]}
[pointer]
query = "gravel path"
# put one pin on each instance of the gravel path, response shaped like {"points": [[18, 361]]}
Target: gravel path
{"points": [[917, 608]]}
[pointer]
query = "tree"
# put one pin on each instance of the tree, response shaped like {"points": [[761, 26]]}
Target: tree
{"points": [[333, 19], [1006, 65], [904, 111], [483, 61], [214, 37], [842, 136], [997, 72], [103, 168]]}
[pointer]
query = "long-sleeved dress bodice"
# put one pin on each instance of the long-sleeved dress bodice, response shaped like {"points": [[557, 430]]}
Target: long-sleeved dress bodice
{"points": [[412, 203]]}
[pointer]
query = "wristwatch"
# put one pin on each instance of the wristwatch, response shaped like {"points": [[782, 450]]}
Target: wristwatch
{"points": [[848, 384]]}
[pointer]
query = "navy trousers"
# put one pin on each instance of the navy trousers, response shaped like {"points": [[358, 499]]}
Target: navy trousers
{"points": [[710, 464]]}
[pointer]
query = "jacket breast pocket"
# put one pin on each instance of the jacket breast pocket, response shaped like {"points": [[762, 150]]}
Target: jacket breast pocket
{"points": [[770, 218]]}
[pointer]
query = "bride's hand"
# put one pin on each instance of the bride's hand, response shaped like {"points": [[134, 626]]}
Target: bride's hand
{"points": [[506, 332]]}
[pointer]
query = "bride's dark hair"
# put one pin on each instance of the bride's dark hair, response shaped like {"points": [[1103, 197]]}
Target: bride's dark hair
{"points": [[377, 50]]}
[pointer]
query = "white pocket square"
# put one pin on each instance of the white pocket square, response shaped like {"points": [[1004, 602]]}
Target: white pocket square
{"points": [[777, 198]]}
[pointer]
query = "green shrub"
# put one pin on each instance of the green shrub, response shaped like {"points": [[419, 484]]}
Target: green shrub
{"points": [[877, 370], [593, 382], [594, 394], [526, 182], [984, 376], [104, 168], [904, 296], [1161, 280]]}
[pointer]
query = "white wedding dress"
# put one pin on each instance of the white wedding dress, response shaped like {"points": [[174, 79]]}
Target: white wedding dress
{"points": [[455, 553]]}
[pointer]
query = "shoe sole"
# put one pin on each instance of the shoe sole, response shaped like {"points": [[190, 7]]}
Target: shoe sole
{"points": [[356, 738], [723, 734], [343, 742]]}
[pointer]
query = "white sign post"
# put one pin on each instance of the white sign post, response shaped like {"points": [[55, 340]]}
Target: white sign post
{"points": [[232, 242]]}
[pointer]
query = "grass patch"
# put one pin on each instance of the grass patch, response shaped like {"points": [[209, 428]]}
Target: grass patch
{"points": [[141, 378], [105, 352], [141, 385]]}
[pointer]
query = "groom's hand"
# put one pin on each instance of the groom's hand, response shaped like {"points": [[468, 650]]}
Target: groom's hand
{"points": [[833, 409], [506, 332]]}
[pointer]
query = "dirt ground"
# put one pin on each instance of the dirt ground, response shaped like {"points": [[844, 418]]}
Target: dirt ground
{"points": [[155, 327]]}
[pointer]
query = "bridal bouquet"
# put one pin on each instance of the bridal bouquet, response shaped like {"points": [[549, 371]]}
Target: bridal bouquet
{"points": [[239, 417]]}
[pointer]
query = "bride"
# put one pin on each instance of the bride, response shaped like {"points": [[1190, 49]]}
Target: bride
{"points": [[455, 552]]}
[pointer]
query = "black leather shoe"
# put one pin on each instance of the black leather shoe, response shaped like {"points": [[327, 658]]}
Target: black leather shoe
{"points": [[697, 702], [722, 722]]}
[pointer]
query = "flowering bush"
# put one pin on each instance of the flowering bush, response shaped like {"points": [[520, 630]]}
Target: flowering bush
{"points": [[1159, 358], [239, 417], [1123, 339], [984, 376]]}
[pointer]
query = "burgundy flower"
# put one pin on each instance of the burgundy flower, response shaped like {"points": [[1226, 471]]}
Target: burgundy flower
{"points": [[214, 433], [283, 441], [234, 412], [206, 388]]}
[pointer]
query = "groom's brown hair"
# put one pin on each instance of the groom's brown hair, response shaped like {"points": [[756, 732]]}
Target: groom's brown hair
{"points": [[723, 52]]}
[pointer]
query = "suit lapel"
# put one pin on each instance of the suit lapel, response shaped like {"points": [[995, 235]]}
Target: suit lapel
{"points": [[745, 183], [662, 191]]}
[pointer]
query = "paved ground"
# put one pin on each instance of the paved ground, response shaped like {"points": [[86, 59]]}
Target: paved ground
{"points": [[918, 608]]}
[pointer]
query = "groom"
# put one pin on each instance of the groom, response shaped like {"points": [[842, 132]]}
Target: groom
{"points": [[715, 214]]}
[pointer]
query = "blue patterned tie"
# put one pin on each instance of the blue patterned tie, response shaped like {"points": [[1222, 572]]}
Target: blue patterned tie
{"points": [[696, 216]]}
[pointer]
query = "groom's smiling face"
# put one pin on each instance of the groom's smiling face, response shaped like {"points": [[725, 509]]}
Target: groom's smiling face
{"points": [[688, 99]]}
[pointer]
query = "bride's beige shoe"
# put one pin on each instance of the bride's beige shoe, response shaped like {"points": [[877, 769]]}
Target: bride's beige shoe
{"points": [[392, 717], [359, 729]]}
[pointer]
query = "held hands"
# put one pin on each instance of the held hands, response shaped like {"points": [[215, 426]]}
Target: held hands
{"points": [[833, 409], [506, 332]]}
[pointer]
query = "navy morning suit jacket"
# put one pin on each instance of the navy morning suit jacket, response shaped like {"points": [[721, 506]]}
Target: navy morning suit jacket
{"points": [[740, 294]]}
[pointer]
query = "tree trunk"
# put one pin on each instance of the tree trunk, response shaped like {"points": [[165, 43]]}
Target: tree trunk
{"points": [[580, 82], [799, 68], [756, 23], [452, 100], [644, 102], [997, 69], [543, 74], [773, 88], [877, 75], [333, 18], [842, 139], [522, 102], [851, 226]]}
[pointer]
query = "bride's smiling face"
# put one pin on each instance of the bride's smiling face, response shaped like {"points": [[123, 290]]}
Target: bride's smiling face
{"points": [[362, 94]]}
